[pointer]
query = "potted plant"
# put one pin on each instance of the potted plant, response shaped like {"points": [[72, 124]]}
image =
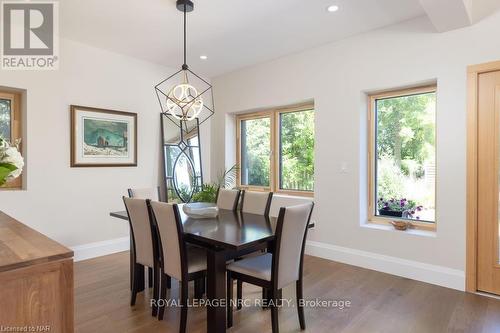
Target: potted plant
{"points": [[11, 161], [398, 208], [208, 192]]}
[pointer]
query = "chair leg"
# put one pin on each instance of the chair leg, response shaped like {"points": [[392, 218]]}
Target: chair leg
{"points": [[184, 308], [274, 312], [135, 283], [156, 291], [265, 298], [239, 294], [150, 277], [229, 300], [132, 264], [300, 309], [169, 282], [279, 297], [198, 288], [163, 295]]}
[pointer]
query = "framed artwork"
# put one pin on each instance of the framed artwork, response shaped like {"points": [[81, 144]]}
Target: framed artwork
{"points": [[103, 138]]}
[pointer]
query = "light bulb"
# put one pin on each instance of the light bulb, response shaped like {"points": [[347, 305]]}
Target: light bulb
{"points": [[332, 8], [183, 102]]}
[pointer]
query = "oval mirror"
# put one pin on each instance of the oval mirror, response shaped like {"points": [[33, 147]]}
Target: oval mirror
{"points": [[184, 177]]}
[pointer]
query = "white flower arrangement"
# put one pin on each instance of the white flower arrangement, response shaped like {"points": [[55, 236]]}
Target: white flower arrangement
{"points": [[11, 161]]}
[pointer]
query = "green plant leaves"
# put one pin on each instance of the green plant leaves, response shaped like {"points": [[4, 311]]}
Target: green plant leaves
{"points": [[208, 193], [227, 179], [5, 170]]}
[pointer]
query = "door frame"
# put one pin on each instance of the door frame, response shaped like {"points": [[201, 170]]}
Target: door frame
{"points": [[473, 73]]}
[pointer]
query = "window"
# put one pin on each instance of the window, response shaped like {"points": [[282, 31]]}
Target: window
{"points": [[10, 124], [402, 156], [276, 150]]}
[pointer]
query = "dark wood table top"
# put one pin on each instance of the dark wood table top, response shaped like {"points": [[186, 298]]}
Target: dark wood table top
{"points": [[21, 246], [229, 230]]}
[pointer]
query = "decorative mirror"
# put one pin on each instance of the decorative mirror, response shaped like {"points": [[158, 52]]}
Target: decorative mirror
{"points": [[182, 158]]}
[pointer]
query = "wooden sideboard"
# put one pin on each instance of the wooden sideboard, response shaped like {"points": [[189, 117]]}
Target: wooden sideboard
{"points": [[36, 280]]}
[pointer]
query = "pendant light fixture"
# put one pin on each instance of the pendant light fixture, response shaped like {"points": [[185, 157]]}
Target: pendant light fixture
{"points": [[184, 96]]}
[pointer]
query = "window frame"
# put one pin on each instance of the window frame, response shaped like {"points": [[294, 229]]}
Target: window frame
{"points": [[275, 139], [15, 131], [372, 98]]}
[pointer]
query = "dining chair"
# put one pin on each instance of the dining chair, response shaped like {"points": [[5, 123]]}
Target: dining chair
{"points": [[145, 248], [227, 199], [152, 193], [256, 202], [276, 270], [182, 263]]}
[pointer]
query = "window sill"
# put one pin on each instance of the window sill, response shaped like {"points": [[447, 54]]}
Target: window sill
{"points": [[10, 189], [293, 196], [416, 224], [387, 227], [297, 194], [283, 193]]}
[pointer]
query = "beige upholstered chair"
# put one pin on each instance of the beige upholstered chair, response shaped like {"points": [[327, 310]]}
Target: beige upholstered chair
{"points": [[279, 269], [143, 245], [256, 202], [184, 264], [152, 193], [228, 199]]}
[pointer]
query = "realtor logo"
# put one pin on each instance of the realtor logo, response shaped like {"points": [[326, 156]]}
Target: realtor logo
{"points": [[29, 35]]}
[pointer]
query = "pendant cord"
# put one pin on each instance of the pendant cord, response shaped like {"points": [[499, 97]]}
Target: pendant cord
{"points": [[185, 14]]}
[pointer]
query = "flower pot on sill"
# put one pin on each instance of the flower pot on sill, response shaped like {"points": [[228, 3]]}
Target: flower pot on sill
{"points": [[401, 225], [387, 212]]}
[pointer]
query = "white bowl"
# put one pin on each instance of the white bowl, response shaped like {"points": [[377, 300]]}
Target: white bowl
{"points": [[200, 210]]}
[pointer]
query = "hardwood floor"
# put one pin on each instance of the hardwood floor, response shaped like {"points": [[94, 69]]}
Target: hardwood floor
{"points": [[379, 303]]}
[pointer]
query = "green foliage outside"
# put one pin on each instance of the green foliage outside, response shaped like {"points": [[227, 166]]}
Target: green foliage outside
{"points": [[297, 151], [255, 151], [5, 119], [406, 149]]}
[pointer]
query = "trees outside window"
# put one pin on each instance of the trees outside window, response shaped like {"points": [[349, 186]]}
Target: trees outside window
{"points": [[297, 150], [276, 150], [403, 153]]}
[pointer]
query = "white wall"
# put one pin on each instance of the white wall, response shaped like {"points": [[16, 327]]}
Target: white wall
{"points": [[72, 205], [337, 76]]}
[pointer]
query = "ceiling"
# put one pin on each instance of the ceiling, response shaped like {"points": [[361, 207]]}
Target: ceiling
{"points": [[232, 33]]}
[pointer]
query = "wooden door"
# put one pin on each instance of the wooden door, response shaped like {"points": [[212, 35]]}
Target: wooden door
{"points": [[488, 154]]}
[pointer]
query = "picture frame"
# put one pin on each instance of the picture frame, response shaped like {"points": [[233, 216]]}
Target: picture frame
{"points": [[102, 137]]}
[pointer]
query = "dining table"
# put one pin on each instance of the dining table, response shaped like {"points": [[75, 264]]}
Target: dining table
{"points": [[227, 236]]}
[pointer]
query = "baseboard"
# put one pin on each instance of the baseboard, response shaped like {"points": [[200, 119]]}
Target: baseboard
{"points": [[439, 275], [98, 249]]}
